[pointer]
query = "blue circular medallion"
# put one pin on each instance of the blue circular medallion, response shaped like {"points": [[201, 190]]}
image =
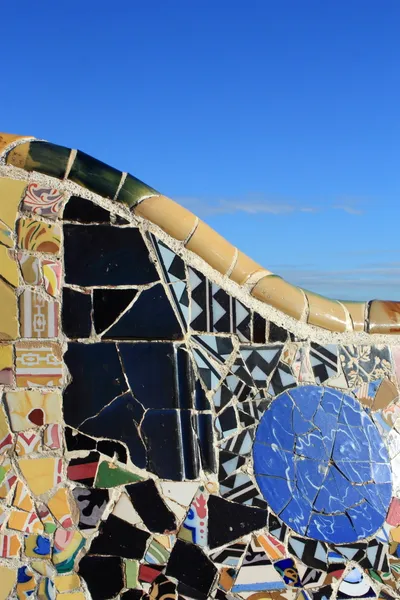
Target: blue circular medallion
{"points": [[322, 466]]}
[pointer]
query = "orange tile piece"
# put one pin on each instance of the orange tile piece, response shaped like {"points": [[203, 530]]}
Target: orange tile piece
{"points": [[280, 294], [41, 474], [172, 218], [22, 498], [384, 317], [62, 506], [66, 583], [325, 313], [25, 522], [212, 247]]}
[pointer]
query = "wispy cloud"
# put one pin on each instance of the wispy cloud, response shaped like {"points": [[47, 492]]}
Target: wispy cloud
{"points": [[251, 206]]}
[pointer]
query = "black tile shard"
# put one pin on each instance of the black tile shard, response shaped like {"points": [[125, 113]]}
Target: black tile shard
{"points": [[91, 504], [76, 314], [204, 429], [162, 588], [119, 420], [259, 329], [190, 566], [134, 595], [108, 304], [113, 449], [97, 379], [276, 333], [84, 211], [151, 317], [228, 521], [104, 576], [77, 441], [172, 387], [161, 429], [119, 538], [151, 508], [189, 445], [106, 255]]}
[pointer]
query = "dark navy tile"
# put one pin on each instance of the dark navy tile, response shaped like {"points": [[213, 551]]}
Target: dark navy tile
{"points": [[106, 255], [76, 314], [150, 318], [204, 429], [276, 333], [119, 420], [108, 304], [96, 377], [161, 431]]}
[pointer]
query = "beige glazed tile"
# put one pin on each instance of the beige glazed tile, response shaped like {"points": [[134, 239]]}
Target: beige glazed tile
{"points": [[384, 317], [18, 156], [11, 192], [175, 220], [8, 266], [8, 138], [280, 294], [212, 247], [326, 313], [8, 312], [357, 311], [244, 267]]}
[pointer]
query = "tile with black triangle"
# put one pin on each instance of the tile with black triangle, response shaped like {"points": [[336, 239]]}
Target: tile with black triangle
{"points": [[220, 347], [229, 555], [174, 273], [240, 444], [254, 408], [209, 374], [226, 424], [229, 463], [283, 379], [261, 361], [324, 361], [239, 388], [109, 304], [240, 488], [240, 370], [277, 527], [312, 553], [221, 397]]}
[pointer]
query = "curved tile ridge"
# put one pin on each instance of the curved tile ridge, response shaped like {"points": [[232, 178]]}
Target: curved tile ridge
{"points": [[30, 154]]}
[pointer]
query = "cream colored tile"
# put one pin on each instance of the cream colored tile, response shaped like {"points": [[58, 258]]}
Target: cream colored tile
{"points": [[280, 294], [172, 218], [212, 247]]}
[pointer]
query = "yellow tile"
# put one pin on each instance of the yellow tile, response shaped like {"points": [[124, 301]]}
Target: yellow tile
{"points": [[212, 247], [38, 236], [8, 578], [71, 596], [174, 219], [8, 266], [30, 408], [27, 585], [6, 356], [18, 155], [41, 474], [66, 583], [42, 567], [25, 522], [22, 498], [62, 506], [8, 313], [28, 442], [280, 294], [38, 364], [11, 192], [6, 235], [7, 476], [5, 433], [357, 313]]}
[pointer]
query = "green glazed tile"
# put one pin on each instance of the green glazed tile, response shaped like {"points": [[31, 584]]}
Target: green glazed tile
{"points": [[131, 573], [47, 158], [95, 175], [134, 190], [110, 475], [50, 527]]}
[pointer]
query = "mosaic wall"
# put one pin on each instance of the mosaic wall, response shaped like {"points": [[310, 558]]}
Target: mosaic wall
{"points": [[161, 439]]}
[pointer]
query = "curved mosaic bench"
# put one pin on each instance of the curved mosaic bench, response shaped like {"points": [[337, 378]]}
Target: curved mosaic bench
{"points": [[176, 421]]}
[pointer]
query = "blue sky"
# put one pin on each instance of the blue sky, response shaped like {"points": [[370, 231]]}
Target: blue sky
{"points": [[277, 121]]}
